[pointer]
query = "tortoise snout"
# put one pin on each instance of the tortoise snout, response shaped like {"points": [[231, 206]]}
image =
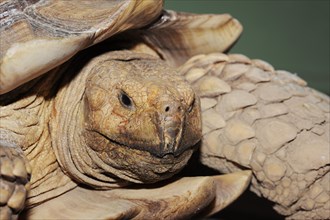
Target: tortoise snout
{"points": [[172, 119]]}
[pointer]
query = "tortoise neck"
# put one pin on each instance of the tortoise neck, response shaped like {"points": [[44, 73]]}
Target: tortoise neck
{"points": [[67, 127], [31, 105]]}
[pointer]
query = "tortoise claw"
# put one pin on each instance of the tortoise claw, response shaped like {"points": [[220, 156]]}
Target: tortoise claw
{"points": [[14, 180]]}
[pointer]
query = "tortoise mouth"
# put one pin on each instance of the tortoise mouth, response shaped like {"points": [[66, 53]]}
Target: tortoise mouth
{"points": [[132, 164], [160, 151]]}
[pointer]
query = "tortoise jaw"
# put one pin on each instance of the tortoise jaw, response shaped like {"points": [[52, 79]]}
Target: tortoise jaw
{"points": [[134, 164], [167, 149]]}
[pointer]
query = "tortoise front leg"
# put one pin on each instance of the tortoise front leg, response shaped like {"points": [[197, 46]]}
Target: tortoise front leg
{"points": [[270, 122], [15, 173]]}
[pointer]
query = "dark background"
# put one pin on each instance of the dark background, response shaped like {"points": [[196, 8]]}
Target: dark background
{"points": [[291, 35]]}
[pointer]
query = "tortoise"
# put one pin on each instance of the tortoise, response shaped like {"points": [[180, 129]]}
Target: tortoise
{"points": [[254, 118]]}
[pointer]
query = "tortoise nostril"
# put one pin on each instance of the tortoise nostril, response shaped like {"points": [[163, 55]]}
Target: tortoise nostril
{"points": [[171, 108]]}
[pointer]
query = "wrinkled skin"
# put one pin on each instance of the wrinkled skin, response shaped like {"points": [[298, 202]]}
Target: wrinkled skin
{"points": [[141, 118], [125, 117]]}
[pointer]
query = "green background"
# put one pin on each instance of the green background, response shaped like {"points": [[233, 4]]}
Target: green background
{"points": [[290, 35]]}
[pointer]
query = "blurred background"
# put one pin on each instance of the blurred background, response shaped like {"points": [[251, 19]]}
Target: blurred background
{"points": [[290, 35]]}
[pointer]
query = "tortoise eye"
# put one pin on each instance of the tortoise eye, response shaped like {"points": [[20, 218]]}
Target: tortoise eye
{"points": [[125, 100]]}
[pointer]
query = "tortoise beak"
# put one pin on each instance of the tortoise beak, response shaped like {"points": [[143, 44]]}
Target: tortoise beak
{"points": [[172, 135], [170, 129]]}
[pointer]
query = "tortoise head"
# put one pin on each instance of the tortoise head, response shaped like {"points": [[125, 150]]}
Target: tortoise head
{"points": [[142, 121]]}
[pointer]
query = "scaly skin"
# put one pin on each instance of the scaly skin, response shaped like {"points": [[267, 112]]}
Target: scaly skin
{"points": [[120, 120], [269, 121]]}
